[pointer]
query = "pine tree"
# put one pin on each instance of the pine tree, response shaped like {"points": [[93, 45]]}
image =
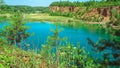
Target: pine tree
{"points": [[15, 30]]}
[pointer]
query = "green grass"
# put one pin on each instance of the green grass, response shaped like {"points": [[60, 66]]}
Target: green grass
{"points": [[13, 57], [45, 17]]}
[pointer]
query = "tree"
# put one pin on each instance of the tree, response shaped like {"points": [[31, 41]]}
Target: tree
{"points": [[53, 41], [15, 31]]}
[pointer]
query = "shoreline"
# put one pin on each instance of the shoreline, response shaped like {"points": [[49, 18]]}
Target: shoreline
{"points": [[53, 19], [44, 17]]}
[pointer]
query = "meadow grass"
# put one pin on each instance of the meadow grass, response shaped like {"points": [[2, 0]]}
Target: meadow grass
{"points": [[46, 17], [13, 57]]}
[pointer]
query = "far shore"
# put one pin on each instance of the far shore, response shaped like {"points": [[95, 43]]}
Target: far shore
{"points": [[43, 17]]}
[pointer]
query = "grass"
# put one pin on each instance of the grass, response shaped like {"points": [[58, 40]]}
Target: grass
{"points": [[61, 19], [46, 17], [13, 57]]}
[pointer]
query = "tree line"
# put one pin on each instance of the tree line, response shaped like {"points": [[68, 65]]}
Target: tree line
{"points": [[21, 8], [94, 3]]}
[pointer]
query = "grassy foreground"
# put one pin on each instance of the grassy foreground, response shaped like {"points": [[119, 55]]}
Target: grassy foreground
{"points": [[13, 57]]}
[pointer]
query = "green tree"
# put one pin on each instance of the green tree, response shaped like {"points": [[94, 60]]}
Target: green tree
{"points": [[53, 42], [15, 30]]}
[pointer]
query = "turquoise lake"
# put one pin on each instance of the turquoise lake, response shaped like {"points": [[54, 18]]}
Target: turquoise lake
{"points": [[40, 32]]}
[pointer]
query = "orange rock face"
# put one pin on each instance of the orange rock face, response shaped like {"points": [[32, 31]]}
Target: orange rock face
{"points": [[103, 13]]}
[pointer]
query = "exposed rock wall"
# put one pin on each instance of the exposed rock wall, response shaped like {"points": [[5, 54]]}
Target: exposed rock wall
{"points": [[64, 9], [103, 12]]}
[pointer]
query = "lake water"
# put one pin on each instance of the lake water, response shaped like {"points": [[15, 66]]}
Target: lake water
{"points": [[40, 32]]}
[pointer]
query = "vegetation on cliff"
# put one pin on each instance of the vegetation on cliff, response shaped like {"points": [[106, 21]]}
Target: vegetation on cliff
{"points": [[92, 3], [95, 11]]}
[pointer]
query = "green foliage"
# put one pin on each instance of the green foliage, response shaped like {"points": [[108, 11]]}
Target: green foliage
{"points": [[58, 13], [113, 25], [15, 30], [41, 9], [86, 4], [96, 18], [3, 41], [12, 57], [23, 9], [2, 18], [74, 57], [64, 3], [12, 9]]}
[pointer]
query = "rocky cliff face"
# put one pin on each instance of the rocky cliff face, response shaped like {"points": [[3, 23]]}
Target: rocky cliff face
{"points": [[64, 9], [102, 13]]}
